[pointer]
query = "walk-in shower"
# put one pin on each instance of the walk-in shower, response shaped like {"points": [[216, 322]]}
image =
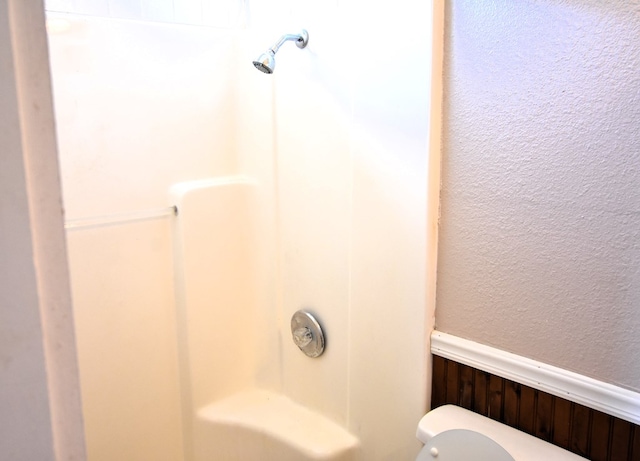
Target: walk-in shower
{"points": [[266, 62]]}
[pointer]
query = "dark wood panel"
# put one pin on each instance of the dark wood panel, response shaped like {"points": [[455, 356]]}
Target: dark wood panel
{"points": [[480, 392], [439, 388], [511, 403], [584, 431], [580, 430], [544, 416], [599, 440], [495, 397], [466, 387], [620, 446], [527, 410], [561, 423], [453, 382], [635, 445]]}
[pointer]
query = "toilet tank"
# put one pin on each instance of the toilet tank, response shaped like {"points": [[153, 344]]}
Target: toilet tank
{"points": [[521, 446]]}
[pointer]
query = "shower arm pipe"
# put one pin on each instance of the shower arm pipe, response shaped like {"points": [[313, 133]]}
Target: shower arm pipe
{"points": [[266, 62], [300, 39]]}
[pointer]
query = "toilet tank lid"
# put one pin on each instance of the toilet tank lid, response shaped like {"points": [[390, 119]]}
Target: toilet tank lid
{"points": [[522, 446]]}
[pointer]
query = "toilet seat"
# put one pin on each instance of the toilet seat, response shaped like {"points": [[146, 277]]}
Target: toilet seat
{"points": [[462, 445]]}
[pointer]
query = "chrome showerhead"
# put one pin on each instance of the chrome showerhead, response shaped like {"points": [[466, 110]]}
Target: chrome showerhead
{"points": [[267, 61]]}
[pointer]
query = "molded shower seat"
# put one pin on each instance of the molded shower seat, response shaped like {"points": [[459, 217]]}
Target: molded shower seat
{"points": [[263, 425]]}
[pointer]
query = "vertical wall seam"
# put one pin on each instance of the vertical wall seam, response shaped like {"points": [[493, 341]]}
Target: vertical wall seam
{"points": [[486, 411], [278, 231], [349, 370], [473, 387], [445, 379], [459, 384], [589, 431], [610, 439], [552, 420], [518, 400], [570, 436], [535, 412], [502, 398]]}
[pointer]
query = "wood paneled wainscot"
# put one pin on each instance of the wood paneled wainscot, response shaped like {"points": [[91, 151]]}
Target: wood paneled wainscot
{"points": [[582, 430]]}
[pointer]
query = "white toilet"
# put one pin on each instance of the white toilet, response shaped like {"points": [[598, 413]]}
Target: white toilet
{"points": [[452, 433]]}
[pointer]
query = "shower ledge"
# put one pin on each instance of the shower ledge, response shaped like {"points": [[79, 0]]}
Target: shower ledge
{"points": [[259, 424]]}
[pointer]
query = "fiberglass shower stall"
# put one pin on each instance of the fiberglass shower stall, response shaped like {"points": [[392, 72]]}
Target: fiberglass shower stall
{"points": [[305, 189]]}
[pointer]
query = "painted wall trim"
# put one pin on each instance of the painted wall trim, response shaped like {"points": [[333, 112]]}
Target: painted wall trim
{"points": [[39, 380], [601, 396], [434, 171]]}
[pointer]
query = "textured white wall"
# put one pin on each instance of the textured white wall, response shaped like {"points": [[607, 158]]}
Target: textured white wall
{"points": [[26, 418], [540, 231], [39, 388]]}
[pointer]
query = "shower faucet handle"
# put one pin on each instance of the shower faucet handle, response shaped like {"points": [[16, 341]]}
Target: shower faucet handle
{"points": [[307, 334], [302, 336]]}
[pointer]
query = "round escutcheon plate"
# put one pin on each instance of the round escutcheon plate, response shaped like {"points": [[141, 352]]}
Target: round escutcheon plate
{"points": [[307, 334]]}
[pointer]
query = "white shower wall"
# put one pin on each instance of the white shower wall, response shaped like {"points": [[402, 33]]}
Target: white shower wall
{"points": [[336, 142], [215, 13], [140, 106], [351, 118]]}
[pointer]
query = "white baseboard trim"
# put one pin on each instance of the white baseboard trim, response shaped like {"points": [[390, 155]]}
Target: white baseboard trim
{"points": [[613, 400]]}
